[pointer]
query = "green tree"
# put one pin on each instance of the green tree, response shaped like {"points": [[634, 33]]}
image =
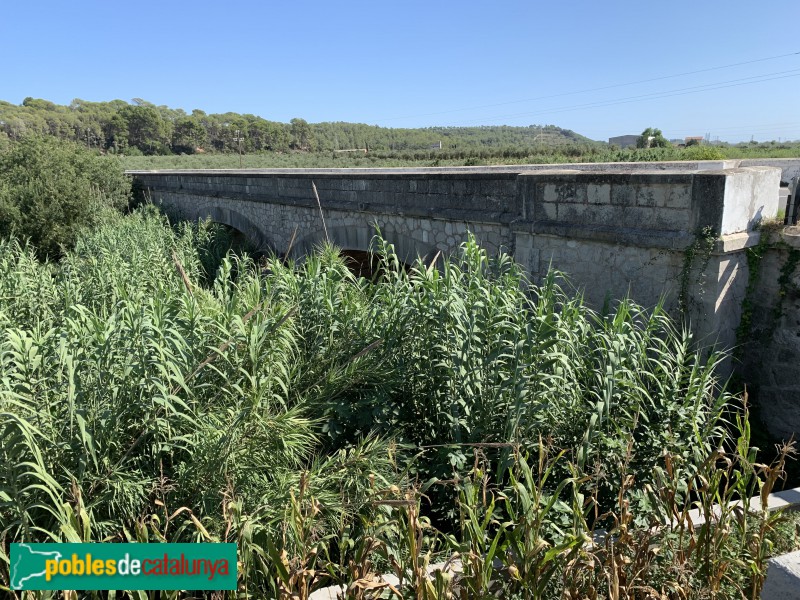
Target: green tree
{"points": [[652, 138], [302, 137], [50, 189], [147, 130], [116, 133], [267, 135], [188, 135]]}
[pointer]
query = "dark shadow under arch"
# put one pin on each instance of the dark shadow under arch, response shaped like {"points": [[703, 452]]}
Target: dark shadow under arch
{"points": [[358, 238]]}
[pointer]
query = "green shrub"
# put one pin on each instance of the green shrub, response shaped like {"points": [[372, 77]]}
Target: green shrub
{"points": [[50, 190], [702, 153]]}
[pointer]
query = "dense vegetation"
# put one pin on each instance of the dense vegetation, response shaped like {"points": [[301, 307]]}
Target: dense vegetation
{"points": [[149, 136], [652, 138], [144, 128], [51, 189], [154, 387], [444, 159], [439, 158]]}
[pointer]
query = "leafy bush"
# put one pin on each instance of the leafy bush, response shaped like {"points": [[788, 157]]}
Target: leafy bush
{"points": [[50, 190], [703, 153]]}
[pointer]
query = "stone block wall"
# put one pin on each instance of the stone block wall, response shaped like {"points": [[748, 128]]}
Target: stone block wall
{"points": [[603, 270], [614, 232], [297, 229], [478, 196], [592, 202], [770, 344]]}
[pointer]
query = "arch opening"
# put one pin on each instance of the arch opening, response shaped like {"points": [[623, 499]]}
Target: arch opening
{"points": [[366, 264], [236, 240], [357, 246], [244, 234]]}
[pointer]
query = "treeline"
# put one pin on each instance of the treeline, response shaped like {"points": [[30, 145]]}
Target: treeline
{"points": [[141, 127]]}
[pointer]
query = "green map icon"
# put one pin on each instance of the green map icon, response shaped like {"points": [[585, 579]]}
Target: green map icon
{"points": [[28, 565]]}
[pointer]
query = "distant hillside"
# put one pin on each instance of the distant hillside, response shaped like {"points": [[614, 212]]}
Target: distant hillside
{"points": [[141, 127], [335, 136]]}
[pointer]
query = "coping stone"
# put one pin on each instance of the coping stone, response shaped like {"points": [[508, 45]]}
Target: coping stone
{"points": [[783, 578]]}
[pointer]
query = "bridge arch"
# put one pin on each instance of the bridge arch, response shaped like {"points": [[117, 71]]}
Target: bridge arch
{"points": [[253, 233], [359, 237]]}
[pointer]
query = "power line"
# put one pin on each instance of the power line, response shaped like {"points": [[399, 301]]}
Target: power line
{"points": [[597, 89], [731, 132], [661, 94], [788, 130], [651, 96], [755, 125]]}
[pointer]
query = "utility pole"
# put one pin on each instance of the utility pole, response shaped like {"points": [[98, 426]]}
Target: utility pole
{"points": [[238, 138]]}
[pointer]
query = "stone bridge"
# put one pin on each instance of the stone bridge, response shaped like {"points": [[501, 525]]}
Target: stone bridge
{"points": [[614, 228], [672, 231]]}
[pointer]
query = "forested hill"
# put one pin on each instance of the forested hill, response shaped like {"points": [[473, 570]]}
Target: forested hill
{"points": [[140, 127]]}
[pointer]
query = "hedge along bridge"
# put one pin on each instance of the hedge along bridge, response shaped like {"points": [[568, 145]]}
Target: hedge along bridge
{"points": [[677, 231]]}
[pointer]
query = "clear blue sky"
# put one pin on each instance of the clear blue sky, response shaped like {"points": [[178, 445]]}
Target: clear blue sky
{"points": [[422, 63]]}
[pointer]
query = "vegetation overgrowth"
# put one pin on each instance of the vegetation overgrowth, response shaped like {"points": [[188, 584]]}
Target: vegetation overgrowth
{"points": [[144, 128], [52, 189], [144, 132], [156, 387], [437, 158]]}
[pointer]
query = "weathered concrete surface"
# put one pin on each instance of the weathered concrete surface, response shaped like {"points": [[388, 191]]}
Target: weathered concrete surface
{"points": [[750, 197], [783, 500], [790, 167], [783, 578]]}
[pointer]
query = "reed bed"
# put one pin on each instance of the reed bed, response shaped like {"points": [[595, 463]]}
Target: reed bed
{"points": [[155, 386]]}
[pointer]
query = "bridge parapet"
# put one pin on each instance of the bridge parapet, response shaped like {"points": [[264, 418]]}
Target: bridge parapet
{"points": [[650, 207], [474, 196]]}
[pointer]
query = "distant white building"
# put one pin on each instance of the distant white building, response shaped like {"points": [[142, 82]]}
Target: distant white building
{"points": [[624, 141]]}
